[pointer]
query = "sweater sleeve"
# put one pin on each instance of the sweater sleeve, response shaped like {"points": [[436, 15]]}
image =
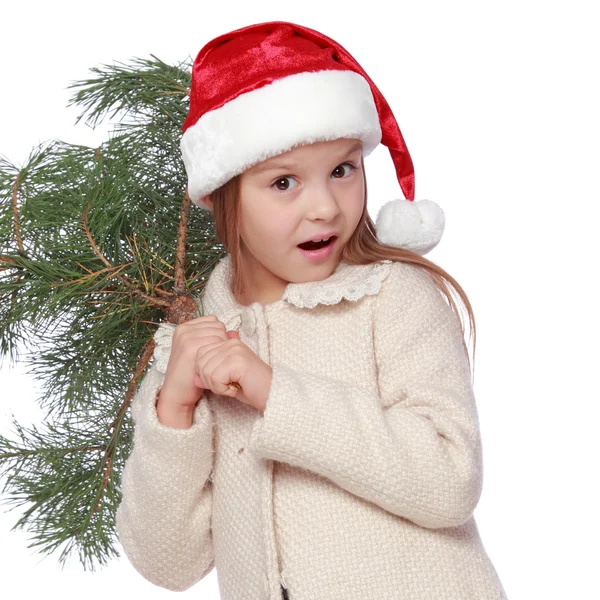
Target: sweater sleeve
{"points": [[413, 447], [164, 519]]}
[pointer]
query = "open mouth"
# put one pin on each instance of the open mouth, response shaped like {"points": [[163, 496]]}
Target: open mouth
{"points": [[317, 245]]}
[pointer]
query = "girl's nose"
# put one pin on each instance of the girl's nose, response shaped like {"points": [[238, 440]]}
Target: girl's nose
{"points": [[323, 205]]}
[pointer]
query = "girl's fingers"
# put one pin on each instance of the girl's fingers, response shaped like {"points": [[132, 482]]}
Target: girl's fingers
{"points": [[205, 330], [196, 337], [221, 373], [204, 356], [202, 319], [209, 340], [201, 326], [212, 368]]}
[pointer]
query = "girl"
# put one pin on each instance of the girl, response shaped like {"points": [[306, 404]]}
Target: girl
{"points": [[313, 432]]}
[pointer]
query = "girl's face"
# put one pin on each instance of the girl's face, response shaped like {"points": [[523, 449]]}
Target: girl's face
{"points": [[309, 192]]}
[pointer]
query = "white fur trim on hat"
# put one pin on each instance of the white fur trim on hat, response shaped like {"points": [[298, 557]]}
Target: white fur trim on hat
{"points": [[413, 225], [299, 109]]}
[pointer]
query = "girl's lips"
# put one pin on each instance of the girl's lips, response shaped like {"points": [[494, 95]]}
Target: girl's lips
{"points": [[321, 253]]}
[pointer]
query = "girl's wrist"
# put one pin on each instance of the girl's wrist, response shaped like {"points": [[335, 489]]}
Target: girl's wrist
{"points": [[172, 414]]}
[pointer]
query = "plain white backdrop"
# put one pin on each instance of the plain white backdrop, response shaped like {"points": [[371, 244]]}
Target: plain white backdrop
{"points": [[498, 103]]}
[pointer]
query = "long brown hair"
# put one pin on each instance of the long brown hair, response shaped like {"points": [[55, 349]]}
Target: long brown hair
{"points": [[361, 249]]}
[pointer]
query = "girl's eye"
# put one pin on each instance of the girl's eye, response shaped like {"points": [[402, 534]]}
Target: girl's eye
{"points": [[279, 180], [352, 168], [336, 170]]}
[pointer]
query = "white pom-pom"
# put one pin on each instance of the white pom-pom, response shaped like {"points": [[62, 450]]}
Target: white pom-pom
{"points": [[413, 225]]}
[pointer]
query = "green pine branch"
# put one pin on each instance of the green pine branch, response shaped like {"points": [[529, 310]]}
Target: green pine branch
{"points": [[94, 253], [144, 89], [58, 473]]}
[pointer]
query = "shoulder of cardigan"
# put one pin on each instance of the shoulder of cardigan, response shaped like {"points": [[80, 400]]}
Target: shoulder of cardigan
{"points": [[347, 281]]}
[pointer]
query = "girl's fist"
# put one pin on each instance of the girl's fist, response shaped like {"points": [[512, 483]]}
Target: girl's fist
{"points": [[230, 334], [182, 387], [220, 364]]}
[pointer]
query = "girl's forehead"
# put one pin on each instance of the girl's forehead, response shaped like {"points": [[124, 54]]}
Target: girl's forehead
{"points": [[339, 147]]}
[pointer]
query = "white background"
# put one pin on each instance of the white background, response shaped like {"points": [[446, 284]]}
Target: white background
{"points": [[498, 103]]}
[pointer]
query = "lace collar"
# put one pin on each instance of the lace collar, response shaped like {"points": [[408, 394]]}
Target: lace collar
{"points": [[350, 282]]}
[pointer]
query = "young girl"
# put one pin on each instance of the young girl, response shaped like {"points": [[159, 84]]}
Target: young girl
{"points": [[313, 432]]}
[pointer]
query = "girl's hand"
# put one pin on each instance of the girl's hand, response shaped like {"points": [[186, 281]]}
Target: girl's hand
{"points": [[220, 363], [182, 387]]}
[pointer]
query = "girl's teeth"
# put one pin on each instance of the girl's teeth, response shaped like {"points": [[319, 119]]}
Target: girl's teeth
{"points": [[315, 245]]}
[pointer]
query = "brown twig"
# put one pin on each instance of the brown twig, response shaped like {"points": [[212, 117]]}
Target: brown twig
{"points": [[128, 284], [183, 307], [178, 90], [8, 259], [162, 292], [115, 426], [179, 285], [91, 275]]}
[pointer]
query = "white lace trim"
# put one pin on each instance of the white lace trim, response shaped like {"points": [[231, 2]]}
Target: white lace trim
{"points": [[351, 283], [163, 337]]}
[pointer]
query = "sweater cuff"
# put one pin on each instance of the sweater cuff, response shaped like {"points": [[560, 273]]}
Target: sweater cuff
{"points": [[274, 434], [169, 445]]}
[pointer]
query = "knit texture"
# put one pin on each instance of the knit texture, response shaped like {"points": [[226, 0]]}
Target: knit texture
{"points": [[360, 479], [163, 522]]}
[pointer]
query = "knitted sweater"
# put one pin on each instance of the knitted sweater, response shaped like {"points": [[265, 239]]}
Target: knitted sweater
{"points": [[358, 481]]}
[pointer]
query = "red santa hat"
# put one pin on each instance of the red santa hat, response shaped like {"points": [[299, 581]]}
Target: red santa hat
{"points": [[261, 90]]}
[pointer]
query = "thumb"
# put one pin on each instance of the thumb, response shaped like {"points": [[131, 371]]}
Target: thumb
{"points": [[233, 334]]}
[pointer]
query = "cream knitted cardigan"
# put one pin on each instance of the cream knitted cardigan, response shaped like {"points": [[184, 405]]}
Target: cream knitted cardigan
{"points": [[359, 480]]}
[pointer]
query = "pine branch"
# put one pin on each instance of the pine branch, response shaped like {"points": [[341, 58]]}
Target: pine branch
{"points": [[55, 473], [94, 254], [141, 89], [132, 286]]}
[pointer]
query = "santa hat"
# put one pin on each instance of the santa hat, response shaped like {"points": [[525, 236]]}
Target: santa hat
{"points": [[261, 90]]}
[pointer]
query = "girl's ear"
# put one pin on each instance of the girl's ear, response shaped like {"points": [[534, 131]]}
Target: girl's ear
{"points": [[207, 200]]}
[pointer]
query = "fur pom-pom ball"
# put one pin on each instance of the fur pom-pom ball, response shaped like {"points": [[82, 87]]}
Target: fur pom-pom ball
{"points": [[414, 225]]}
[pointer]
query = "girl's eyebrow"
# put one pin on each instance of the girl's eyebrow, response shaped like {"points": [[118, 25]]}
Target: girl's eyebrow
{"points": [[269, 166]]}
